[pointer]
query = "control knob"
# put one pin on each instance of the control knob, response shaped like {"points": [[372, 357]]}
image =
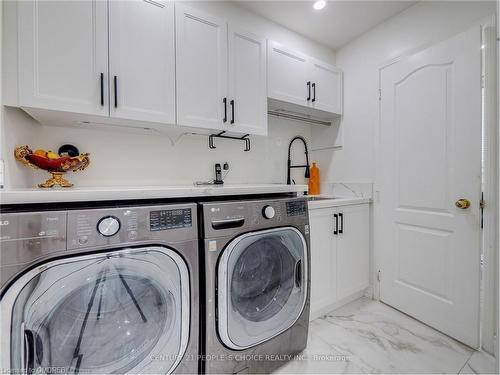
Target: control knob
{"points": [[108, 226], [268, 212]]}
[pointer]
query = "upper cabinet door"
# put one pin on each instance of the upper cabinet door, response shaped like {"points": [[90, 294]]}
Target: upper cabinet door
{"points": [[287, 75], [247, 83], [142, 60], [63, 55], [326, 87], [201, 48]]}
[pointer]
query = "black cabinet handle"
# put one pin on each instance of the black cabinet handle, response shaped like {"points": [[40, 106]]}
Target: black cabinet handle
{"points": [[115, 84], [102, 89], [314, 92], [232, 111], [336, 230], [308, 90], [225, 109], [341, 216]]}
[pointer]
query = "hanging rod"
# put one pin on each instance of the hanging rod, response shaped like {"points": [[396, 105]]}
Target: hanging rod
{"points": [[243, 138], [298, 118]]}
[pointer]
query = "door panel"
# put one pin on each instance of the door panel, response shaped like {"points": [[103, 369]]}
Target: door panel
{"points": [[430, 139], [262, 286], [101, 313], [323, 259], [142, 57], [327, 90], [201, 47], [63, 50], [287, 75], [247, 82], [353, 250]]}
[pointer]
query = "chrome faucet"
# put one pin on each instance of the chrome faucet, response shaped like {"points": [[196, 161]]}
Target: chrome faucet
{"points": [[290, 166]]}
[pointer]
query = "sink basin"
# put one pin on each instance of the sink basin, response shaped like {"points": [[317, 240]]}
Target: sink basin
{"points": [[312, 198]]}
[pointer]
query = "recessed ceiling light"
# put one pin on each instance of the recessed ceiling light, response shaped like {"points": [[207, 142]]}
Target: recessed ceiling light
{"points": [[320, 4]]}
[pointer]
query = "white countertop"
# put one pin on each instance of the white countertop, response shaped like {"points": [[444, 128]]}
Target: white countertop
{"points": [[337, 201], [36, 195]]}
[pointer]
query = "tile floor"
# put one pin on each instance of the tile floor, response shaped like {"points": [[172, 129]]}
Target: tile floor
{"points": [[367, 336]]}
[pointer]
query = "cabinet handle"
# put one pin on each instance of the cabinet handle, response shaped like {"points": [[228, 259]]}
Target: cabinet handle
{"points": [[225, 109], [341, 216], [336, 230], [314, 92], [102, 89], [115, 84], [232, 111], [308, 90]]}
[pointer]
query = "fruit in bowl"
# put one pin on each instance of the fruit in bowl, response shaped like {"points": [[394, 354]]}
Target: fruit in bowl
{"points": [[56, 164]]}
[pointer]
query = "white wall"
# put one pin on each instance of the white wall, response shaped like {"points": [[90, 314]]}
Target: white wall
{"points": [[419, 25], [121, 158]]}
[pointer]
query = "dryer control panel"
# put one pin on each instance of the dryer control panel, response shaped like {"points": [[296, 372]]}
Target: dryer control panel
{"points": [[229, 217]]}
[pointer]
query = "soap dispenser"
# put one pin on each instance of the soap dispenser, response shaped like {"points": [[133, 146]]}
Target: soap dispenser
{"points": [[314, 180]]}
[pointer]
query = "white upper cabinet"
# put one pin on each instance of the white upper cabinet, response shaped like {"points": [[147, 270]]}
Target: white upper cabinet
{"points": [[247, 83], [201, 47], [287, 75], [142, 60], [63, 55], [326, 82], [299, 80]]}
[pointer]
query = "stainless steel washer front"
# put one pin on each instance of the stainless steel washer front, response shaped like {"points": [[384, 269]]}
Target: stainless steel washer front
{"points": [[109, 304], [256, 284]]}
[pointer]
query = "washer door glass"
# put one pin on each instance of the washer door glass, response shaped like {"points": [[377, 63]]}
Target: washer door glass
{"points": [[263, 286], [119, 312]]}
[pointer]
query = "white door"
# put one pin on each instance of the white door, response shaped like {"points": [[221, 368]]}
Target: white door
{"points": [[326, 87], [142, 60], [247, 83], [323, 260], [201, 47], [430, 139], [63, 55], [287, 75], [353, 255]]}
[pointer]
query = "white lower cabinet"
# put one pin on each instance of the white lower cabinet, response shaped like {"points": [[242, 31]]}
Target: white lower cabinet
{"points": [[339, 255]]}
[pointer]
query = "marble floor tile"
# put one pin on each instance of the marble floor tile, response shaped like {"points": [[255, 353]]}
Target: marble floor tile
{"points": [[367, 336], [479, 363]]}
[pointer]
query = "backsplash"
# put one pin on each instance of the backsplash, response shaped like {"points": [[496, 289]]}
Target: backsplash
{"points": [[120, 158], [348, 189]]}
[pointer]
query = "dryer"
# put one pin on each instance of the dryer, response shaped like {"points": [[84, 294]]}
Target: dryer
{"points": [[256, 259], [110, 290]]}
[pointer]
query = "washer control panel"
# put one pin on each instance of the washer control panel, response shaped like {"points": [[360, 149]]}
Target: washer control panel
{"points": [[88, 228]]}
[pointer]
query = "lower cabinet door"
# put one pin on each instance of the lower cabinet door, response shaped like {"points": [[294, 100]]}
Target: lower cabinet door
{"points": [[323, 260], [353, 249]]}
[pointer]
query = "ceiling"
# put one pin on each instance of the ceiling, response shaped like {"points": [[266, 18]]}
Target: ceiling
{"points": [[339, 22]]}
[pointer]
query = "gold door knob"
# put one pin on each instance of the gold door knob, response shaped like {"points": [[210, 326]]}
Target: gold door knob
{"points": [[462, 203]]}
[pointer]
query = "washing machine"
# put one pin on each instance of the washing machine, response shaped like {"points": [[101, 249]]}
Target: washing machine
{"points": [[256, 303], [100, 291]]}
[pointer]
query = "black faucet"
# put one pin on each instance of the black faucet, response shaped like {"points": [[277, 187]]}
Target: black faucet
{"points": [[290, 166]]}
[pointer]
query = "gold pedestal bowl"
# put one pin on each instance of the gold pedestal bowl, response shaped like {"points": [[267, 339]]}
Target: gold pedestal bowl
{"points": [[56, 167]]}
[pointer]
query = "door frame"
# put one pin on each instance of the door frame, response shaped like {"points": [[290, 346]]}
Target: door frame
{"points": [[491, 171]]}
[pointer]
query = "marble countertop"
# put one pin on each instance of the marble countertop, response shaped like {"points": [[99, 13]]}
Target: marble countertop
{"points": [[34, 195], [336, 202]]}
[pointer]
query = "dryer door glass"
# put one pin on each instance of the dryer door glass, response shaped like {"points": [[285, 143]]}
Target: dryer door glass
{"points": [[119, 312], [263, 279]]}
